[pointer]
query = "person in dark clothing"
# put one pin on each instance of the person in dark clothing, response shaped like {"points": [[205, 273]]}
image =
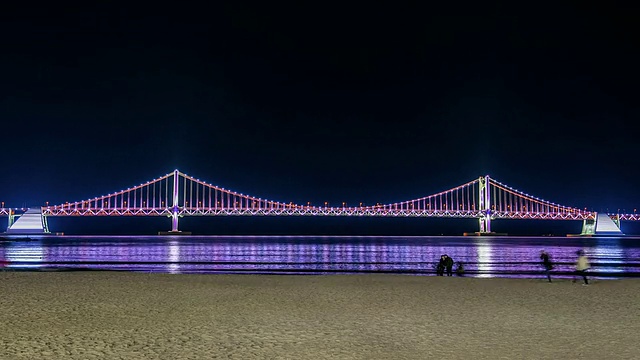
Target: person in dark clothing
{"points": [[546, 264], [441, 266], [448, 263], [460, 269]]}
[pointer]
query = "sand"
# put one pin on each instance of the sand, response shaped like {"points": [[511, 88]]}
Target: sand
{"points": [[119, 315]]}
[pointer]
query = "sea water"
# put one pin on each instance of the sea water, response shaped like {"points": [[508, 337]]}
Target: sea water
{"points": [[481, 256]]}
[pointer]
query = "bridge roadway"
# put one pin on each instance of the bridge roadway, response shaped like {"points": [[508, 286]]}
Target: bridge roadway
{"points": [[316, 211], [326, 211]]}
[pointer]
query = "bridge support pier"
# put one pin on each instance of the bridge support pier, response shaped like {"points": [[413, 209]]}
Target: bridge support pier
{"points": [[588, 227], [601, 225], [175, 215], [485, 224], [32, 221], [12, 219], [174, 221], [45, 225]]}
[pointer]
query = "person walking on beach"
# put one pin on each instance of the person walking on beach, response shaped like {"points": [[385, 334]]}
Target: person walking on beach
{"points": [[448, 263], [546, 264], [582, 265], [440, 268]]}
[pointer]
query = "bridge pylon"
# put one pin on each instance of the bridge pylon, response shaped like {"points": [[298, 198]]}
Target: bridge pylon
{"points": [[175, 209], [484, 201]]}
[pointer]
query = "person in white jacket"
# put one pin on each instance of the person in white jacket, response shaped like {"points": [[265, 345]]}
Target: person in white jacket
{"points": [[582, 265]]}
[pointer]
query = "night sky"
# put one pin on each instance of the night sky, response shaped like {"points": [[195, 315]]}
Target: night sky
{"points": [[323, 102]]}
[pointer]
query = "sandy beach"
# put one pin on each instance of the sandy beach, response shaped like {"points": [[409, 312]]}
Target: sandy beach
{"points": [[118, 315]]}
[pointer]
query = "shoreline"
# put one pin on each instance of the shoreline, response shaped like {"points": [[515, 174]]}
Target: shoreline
{"points": [[523, 275], [169, 235]]}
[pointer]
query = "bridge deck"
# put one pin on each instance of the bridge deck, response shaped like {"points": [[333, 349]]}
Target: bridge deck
{"points": [[316, 211]]}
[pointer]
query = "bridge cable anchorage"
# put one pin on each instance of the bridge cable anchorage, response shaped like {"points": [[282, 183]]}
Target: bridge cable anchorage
{"points": [[177, 194]]}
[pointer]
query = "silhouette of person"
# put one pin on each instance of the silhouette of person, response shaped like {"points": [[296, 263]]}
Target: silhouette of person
{"points": [[460, 269], [448, 263], [546, 264], [441, 266], [582, 265]]}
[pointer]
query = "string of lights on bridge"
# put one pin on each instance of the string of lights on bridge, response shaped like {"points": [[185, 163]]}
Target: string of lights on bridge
{"points": [[178, 193]]}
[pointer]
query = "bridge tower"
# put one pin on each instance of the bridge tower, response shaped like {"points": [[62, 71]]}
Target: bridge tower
{"points": [[484, 202], [175, 209]]}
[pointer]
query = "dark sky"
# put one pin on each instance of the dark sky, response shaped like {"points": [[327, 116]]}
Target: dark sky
{"points": [[322, 102]]}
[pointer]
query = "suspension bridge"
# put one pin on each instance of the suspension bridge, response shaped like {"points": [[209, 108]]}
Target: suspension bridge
{"points": [[176, 195]]}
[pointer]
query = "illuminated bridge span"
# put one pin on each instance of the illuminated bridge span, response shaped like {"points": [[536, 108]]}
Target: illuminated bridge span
{"points": [[177, 195]]}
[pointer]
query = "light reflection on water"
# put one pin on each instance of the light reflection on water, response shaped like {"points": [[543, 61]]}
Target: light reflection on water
{"points": [[483, 257], [24, 255], [174, 257]]}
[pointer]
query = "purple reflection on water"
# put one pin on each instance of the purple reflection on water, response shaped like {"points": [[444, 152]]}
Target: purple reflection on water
{"points": [[483, 257]]}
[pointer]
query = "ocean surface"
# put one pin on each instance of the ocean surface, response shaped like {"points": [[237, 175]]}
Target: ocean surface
{"points": [[481, 256]]}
